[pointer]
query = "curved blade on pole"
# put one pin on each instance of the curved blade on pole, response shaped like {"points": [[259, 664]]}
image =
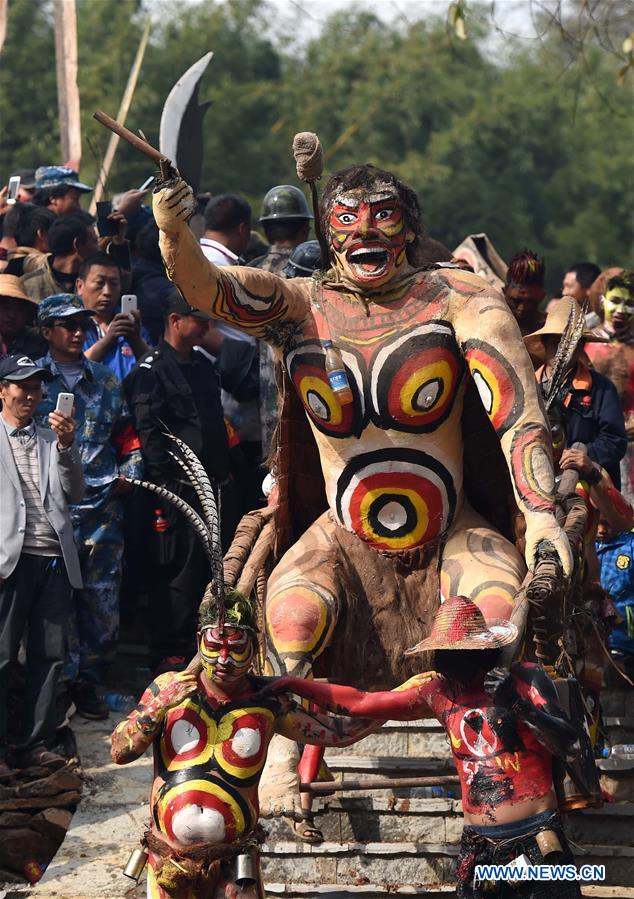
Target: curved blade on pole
{"points": [[180, 134]]}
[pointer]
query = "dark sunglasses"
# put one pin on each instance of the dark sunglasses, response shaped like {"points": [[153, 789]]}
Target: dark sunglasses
{"points": [[81, 324]]}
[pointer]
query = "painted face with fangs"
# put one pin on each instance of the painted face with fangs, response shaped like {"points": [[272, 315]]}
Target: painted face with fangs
{"points": [[369, 233]]}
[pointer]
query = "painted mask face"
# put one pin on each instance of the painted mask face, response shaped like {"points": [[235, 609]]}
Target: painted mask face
{"points": [[618, 306], [226, 655], [368, 234]]}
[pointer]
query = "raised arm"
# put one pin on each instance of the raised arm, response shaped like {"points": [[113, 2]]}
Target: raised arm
{"points": [[501, 368], [407, 703], [135, 733], [260, 303]]}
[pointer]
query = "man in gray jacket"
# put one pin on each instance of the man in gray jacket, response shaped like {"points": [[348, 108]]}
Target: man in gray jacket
{"points": [[40, 472]]}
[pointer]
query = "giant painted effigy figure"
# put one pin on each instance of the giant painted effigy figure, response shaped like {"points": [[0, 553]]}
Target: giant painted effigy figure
{"points": [[381, 354]]}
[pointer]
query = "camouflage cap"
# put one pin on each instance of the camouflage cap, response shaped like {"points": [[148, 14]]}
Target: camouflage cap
{"points": [[284, 202], [48, 176], [60, 305]]}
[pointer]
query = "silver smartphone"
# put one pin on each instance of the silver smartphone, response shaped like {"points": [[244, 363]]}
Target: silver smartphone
{"points": [[65, 403], [147, 183], [12, 190], [129, 303]]}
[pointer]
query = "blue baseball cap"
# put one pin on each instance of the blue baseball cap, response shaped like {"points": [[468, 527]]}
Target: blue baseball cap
{"points": [[19, 368], [60, 305], [48, 176]]}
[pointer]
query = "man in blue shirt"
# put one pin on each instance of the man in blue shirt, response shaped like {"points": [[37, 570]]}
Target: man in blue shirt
{"points": [[110, 450], [616, 558], [116, 339]]}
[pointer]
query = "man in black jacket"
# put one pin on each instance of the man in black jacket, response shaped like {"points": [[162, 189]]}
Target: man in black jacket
{"points": [[594, 415], [176, 388]]}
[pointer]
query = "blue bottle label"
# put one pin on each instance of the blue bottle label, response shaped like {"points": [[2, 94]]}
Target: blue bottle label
{"points": [[338, 380]]}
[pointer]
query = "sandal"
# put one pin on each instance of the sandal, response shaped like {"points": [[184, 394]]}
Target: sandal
{"points": [[305, 828]]}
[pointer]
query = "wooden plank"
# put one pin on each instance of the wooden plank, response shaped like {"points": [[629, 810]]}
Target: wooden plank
{"points": [[65, 18], [124, 108]]}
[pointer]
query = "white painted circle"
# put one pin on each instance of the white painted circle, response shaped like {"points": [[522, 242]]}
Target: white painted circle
{"points": [[196, 824], [392, 516], [246, 742], [184, 736]]}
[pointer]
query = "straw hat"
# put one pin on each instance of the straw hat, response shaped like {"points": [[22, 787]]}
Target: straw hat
{"points": [[10, 286], [460, 624], [555, 325]]}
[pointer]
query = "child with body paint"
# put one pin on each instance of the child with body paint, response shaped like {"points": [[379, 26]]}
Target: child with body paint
{"points": [[504, 728]]}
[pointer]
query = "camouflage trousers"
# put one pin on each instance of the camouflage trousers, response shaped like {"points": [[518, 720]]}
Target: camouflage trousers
{"points": [[94, 627]]}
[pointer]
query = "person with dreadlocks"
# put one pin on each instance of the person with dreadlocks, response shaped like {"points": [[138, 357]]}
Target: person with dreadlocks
{"points": [[380, 354], [524, 290], [210, 734], [504, 727]]}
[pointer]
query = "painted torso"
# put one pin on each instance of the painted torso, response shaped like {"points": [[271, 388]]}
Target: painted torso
{"points": [[406, 373], [497, 757], [615, 360], [207, 764]]}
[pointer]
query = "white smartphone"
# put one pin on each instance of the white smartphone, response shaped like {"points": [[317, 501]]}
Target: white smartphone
{"points": [[65, 403], [129, 303], [12, 190], [147, 183]]}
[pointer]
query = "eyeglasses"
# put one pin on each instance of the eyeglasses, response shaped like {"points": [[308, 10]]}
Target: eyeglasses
{"points": [[78, 324]]}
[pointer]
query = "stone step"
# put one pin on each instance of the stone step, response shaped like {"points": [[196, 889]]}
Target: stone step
{"points": [[360, 819], [397, 865], [334, 891], [407, 739], [384, 765], [341, 891], [445, 890]]}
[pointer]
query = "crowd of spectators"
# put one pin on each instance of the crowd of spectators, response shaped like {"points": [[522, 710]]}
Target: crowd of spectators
{"points": [[79, 543]]}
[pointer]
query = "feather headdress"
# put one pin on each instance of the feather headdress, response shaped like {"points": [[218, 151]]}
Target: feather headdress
{"points": [[207, 526]]}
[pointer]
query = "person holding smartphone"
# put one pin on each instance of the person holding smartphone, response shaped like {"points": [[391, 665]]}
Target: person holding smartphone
{"points": [[110, 452], [39, 562], [117, 338]]}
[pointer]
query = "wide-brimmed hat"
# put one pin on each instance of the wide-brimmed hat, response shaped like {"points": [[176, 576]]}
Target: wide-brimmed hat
{"points": [[11, 286], [460, 624], [555, 325]]}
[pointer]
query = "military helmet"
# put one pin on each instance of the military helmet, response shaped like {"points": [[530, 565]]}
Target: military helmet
{"points": [[304, 260], [284, 202]]}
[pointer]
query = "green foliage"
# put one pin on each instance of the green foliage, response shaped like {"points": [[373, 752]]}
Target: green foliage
{"points": [[530, 149]]}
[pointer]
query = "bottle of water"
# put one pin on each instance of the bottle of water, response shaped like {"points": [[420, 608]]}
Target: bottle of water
{"points": [[336, 371], [622, 751], [120, 702]]}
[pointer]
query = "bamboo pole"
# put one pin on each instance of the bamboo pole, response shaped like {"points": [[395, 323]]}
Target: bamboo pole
{"points": [[381, 783], [124, 108], [67, 90]]}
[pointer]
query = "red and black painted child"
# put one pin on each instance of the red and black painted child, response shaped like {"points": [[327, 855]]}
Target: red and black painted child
{"points": [[504, 726]]}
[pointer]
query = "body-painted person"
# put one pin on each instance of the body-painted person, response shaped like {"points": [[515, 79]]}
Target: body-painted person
{"points": [[590, 622], [210, 737], [392, 457], [615, 360], [504, 728]]}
